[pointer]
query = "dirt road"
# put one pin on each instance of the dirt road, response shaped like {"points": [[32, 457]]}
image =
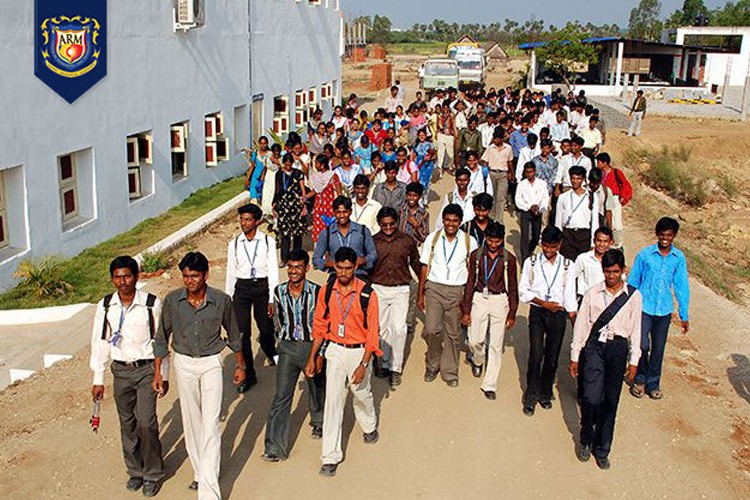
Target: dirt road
{"points": [[436, 442]]}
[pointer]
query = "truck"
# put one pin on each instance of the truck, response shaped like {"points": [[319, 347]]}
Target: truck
{"points": [[472, 67], [439, 73]]}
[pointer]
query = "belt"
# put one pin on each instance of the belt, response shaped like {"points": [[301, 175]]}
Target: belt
{"points": [[576, 229], [251, 280], [348, 346], [133, 364], [498, 171]]}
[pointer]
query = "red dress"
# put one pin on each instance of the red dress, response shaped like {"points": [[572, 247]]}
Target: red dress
{"points": [[323, 208]]}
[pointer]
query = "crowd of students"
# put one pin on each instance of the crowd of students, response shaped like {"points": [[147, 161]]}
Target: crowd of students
{"points": [[361, 187]]}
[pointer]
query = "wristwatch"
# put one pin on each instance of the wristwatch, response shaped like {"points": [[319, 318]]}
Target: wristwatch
{"points": [[363, 364]]}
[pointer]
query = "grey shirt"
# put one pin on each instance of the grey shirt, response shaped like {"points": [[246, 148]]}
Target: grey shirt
{"points": [[196, 332], [388, 198]]}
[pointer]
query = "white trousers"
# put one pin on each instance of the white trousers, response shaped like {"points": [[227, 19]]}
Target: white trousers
{"points": [[200, 384], [394, 307], [445, 146], [492, 311], [340, 365], [636, 123]]}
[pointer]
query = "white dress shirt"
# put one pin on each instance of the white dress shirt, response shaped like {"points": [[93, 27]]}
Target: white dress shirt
{"points": [[588, 271], [133, 325], [559, 131], [367, 214], [549, 281], [573, 211], [478, 183], [524, 156], [529, 194], [568, 161], [487, 132], [465, 203], [626, 323], [258, 254], [449, 258]]}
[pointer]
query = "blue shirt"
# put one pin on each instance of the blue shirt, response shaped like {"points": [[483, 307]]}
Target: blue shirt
{"points": [[655, 276], [364, 156], [358, 237], [517, 141]]}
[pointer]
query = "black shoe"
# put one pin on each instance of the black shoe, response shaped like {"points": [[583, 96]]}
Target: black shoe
{"points": [[476, 370], [452, 383], [382, 373], [395, 379], [490, 395], [151, 488], [246, 385], [546, 405], [271, 362], [317, 432], [372, 437], [134, 484], [602, 462], [328, 470], [583, 453], [429, 376], [193, 486], [270, 457], [528, 410]]}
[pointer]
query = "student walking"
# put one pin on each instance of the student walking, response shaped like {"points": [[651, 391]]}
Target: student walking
{"points": [[577, 216], [637, 114], [290, 207], [532, 200]]}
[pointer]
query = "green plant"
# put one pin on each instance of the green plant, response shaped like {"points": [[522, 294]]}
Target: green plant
{"points": [[153, 262], [728, 185], [43, 278]]}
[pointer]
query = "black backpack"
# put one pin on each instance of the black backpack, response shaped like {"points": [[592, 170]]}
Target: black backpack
{"points": [[150, 301], [364, 298]]}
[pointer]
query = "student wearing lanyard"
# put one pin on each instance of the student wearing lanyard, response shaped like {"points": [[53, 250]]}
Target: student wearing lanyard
{"points": [[441, 287], [490, 301], [548, 285], [350, 337], [252, 275], [294, 308], [364, 209], [577, 216], [123, 334]]}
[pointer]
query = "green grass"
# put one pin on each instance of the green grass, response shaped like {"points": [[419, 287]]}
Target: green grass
{"points": [[88, 272], [669, 170], [422, 49]]}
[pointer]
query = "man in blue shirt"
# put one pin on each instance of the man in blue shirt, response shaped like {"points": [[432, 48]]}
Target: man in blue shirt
{"points": [[345, 233], [517, 139], [657, 270]]}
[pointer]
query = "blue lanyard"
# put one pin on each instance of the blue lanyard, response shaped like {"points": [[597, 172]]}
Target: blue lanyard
{"points": [[445, 252], [345, 312], [296, 306], [344, 242], [255, 252], [570, 217], [117, 336], [492, 270], [554, 279]]}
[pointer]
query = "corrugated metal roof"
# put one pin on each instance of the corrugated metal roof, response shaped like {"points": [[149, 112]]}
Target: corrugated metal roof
{"points": [[533, 45]]}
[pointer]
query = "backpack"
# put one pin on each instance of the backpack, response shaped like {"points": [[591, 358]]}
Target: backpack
{"points": [[467, 240], [480, 252], [236, 242], [150, 301], [364, 298], [533, 258]]}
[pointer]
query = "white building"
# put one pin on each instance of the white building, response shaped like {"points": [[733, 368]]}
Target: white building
{"points": [[172, 115], [734, 61]]}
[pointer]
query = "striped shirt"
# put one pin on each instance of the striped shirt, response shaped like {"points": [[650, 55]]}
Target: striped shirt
{"points": [[294, 315]]}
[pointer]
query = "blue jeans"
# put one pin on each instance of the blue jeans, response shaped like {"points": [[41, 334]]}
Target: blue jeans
{"points": [[654, 331]]}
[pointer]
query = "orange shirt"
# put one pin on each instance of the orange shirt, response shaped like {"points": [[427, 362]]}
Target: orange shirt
{"points": [[354, 330]]}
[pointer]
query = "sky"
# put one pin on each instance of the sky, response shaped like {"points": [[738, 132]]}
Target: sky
{"points": [[404, 13]]}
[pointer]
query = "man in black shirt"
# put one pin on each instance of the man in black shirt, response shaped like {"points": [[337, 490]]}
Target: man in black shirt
{"points": [[482, 204]]}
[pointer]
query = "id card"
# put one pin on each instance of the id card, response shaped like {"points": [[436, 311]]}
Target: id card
{"points": [[341, 331], [603, 335], [486, 293], [297, 335], [252, 273]]}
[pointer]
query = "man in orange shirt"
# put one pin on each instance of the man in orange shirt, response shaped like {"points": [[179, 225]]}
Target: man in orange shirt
{"points": [[346, 326]]}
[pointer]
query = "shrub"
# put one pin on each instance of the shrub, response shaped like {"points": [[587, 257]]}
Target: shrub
{"points": [[43, 278], [666, 170], [153, 262]]}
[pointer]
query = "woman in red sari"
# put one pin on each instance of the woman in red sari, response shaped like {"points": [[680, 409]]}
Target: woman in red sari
{"points": [[325, 187]]}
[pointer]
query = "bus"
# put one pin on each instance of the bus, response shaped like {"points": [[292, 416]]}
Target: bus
{"points": [[439, 73]]}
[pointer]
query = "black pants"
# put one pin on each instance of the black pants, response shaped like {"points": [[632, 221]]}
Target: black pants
{"points": [[289, 243], [602, 383], [546, 331], [139, 428], [531, 225], [252, 295], [575, 242], [292, 359]]}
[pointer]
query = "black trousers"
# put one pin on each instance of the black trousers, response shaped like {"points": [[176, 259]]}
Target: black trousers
{"points": [[252, 296], [602, 374], [289, 243], [575, 242], [531, 225], [139, 428], [546, 331], [292, 359]]}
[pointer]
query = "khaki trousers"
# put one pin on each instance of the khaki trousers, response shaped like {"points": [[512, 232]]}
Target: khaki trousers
{"points": [[500, 188], [340, 365], [493, 311], [200, 383], [442, 330], [394, 306], [445, 147]]}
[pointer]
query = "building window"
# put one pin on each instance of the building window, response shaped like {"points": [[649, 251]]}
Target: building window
{"points": [[140, 159], [178, 134], [217, 145], [281, 115], [300, 108], [189, 14], [312, 100], [13, 229], [4, 235], [76, 181], [241, 122], [314, 2]]}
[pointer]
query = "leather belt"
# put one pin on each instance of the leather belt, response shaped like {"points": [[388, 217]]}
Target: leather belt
{"points": [[133, 364]]}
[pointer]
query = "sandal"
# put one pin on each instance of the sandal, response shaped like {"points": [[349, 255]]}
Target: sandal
{"points": [[637, 390], [657, 394]]}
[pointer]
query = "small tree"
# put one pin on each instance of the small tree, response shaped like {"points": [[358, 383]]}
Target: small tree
{"points": [[566, 52], [644, 20]]}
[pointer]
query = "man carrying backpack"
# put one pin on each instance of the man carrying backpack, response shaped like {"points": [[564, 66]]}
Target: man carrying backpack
{"points": [[123, 332]]}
